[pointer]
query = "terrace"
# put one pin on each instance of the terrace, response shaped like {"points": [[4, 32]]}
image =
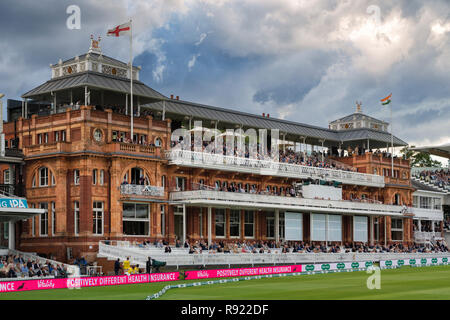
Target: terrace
{"points": [[264, 167], [212, 198]]}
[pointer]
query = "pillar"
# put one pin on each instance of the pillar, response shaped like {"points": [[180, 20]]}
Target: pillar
{"points": [[209, 226], [184, 222], [12, 235], [277, 225]]}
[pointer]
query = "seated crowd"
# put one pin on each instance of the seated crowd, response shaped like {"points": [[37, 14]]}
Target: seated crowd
{"points": [[313, 159], [257, 246], [438, 177], [15, 266]]}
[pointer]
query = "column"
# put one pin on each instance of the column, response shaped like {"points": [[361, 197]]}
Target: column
{"points": [[326, 231], [419, 225], [371, 231], [12, 235], [277, 225], [184, 222], [209, 226]]}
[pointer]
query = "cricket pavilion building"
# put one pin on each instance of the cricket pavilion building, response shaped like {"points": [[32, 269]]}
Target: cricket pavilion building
{"points": [[96, 181]]}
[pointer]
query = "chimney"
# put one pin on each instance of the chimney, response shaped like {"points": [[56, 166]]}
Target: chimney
{"points": [[178, 97], [171, 96], [264, 114]]}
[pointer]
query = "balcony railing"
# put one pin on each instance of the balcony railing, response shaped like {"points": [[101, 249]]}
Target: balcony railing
{"points": [[260, 201], [422, 236], [12, 189], [427, 214], [141, 190], [264, 167]]}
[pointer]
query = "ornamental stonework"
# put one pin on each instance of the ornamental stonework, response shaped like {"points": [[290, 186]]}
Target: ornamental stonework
{"points": [[69, 69], [106, 69]]}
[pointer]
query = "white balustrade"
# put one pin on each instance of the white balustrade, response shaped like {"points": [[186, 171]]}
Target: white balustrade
{"points": [[140, 256], [210, 197], [141, 190], [265, 167]]}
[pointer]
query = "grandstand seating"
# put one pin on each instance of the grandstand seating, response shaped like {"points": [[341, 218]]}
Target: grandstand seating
{"points": [[23, 265], [181, 256], [437, 178]]}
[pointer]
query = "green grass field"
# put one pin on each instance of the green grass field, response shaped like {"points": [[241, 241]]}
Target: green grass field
{"points": [[404, 284]]}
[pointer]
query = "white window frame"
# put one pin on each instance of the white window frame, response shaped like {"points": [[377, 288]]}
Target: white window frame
{"points": [[224, 223], [95, 212], [253, 224], [397, 229], [45, 177], [7, 176], [76, 216], [102, 177], [239, 223], [148, 219], [76, 177], [163, 221], [94, 176], [53, 208], [40, 219]]}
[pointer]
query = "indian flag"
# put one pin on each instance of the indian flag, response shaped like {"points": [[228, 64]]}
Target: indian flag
{"points": [[386, 100]]}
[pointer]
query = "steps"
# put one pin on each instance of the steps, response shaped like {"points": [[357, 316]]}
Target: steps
{"points": [[431, 185]]}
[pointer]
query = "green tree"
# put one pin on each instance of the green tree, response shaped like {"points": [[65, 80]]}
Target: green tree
{"points": [[419, 159]]}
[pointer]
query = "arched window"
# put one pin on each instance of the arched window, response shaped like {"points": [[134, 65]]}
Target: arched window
{"points": [[397, 199], [158, 142], [6, 177], [102, 177], [94, 176], [136, 176], [43, 177], [76, 177], [163, 181]]}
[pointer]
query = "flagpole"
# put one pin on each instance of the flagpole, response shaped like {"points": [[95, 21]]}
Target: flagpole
{"points": [[131, 78], [392, 148]]}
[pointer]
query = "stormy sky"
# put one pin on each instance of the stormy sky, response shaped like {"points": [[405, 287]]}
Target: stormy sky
{"points": [[302, 60]]}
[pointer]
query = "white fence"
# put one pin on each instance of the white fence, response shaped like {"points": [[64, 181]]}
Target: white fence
{"points": [[265, 167], [422, 236], [140, 256]]}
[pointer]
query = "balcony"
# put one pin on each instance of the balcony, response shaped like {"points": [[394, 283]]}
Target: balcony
{"points": [[265, 201], [141, 190], [427, 214], [422, 236], [12, 189], [122, 147], [47, 148], [264, 167]]}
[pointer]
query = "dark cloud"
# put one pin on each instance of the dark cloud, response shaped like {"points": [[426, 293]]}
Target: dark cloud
{"points": [[308, 63]]}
